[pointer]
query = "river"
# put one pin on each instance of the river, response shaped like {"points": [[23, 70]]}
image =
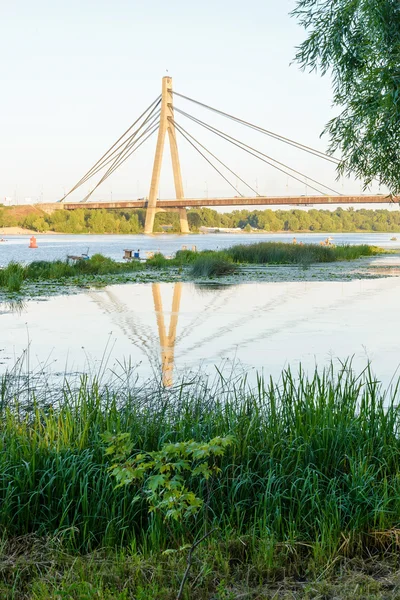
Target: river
{"points": [[167, 331], [52, 247]]}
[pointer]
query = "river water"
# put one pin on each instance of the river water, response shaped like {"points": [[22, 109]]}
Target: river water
{"points": [[170, 330], [52, 247]]}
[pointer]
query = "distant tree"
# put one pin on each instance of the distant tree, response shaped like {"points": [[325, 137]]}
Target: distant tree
{"points": [[194, 220], [358, 43]]}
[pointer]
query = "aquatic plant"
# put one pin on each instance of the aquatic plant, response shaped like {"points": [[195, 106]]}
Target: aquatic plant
{"points": [[280, 253], [212, 265], [12, 276], [158, 261]]}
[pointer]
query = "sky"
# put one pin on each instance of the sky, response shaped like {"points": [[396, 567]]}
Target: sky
{"points": [[76, 74]]}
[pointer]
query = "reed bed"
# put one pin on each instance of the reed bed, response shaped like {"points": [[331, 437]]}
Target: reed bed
{"points": [[281, 253], [13, 276], [212, 266], [315, 460], [207, 263]]}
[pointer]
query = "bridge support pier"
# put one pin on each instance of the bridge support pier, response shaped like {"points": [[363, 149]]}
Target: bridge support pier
{"points": [[183, 220], [166, 125]]}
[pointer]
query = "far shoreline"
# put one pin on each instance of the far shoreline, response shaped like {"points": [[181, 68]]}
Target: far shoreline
{"points": [[23, 231], [18, 231]]}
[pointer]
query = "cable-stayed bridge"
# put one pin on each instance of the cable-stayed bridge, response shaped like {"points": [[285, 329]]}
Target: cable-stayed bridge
{"points": [[160, 118]]}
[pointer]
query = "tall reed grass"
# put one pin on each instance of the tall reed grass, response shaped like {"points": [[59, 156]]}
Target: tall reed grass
{"points": [[281, 253], [315, 463], [208, 265], [13, 276]]}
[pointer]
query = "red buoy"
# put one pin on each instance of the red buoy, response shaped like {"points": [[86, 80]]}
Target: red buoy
{"points": [[32, 242]]}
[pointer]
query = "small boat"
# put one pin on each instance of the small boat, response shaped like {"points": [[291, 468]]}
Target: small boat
{"points": [[83, 256], [75, 257], [135, 255]]}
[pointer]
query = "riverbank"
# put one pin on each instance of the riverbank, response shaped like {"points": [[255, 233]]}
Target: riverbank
{"points": [[23, 231], [303, 503]]}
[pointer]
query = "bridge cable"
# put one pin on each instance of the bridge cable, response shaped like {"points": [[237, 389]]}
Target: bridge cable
{"points": [[243, 146], [106, 176], [153, 127], [130, 144], [132, 148], [107, 154], [106, 158], [126, 147], [209, 162], [120, 159], [252, 151], [281, 138], [126, 144], [216, 158]]}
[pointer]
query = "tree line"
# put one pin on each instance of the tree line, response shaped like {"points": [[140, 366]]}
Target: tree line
{"points": [[132, 221]]}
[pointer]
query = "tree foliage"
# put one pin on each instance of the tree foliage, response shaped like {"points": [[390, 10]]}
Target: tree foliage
{"points": [[132, 221], [358, 43]]}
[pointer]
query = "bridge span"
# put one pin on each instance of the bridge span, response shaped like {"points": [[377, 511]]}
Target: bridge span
{"points": [[160, 118], [170, 205]]}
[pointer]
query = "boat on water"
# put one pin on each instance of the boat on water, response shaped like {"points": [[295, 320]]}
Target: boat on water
{"points": [[76, 257]]}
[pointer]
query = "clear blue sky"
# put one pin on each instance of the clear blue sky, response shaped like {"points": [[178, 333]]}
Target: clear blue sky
{"points": [[75, 74]]}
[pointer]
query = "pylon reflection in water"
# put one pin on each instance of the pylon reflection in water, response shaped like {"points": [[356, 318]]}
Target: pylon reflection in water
{"points": [[167, 341]]}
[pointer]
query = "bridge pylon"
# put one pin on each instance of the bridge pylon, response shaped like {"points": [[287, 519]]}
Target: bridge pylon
{"points": [[166, 126]]}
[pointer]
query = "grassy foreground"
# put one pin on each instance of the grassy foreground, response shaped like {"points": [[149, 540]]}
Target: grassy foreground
{"points": [[207, 263], [306, 505]]}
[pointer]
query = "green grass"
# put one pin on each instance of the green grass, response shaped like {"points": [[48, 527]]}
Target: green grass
{"points": [[313, 476]]}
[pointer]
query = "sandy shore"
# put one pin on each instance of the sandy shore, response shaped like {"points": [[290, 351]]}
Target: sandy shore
{"points": [[22, 231]]}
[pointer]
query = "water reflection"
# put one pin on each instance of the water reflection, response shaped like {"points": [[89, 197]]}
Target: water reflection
{"points": [[167, 341], [13, 305], [169, 330], [159, 347]]}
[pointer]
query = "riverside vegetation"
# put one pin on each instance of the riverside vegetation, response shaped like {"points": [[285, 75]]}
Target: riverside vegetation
{"points": [[208, 263], [132, 221], [304, 502]]}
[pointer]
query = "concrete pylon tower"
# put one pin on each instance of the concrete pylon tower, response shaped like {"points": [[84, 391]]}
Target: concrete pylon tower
{"points": [[166, 125], [167, 341]]}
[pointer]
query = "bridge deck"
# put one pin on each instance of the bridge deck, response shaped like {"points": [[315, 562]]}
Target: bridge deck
{"points": [[236, 201]]}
